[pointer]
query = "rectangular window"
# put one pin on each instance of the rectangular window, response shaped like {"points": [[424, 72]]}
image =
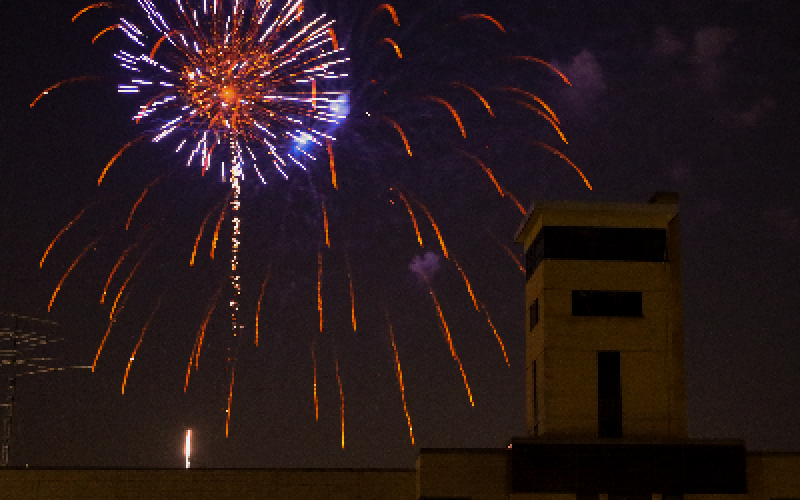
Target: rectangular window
{"points": [[606, 303], [609, 395], [533, 312], [596, 243]]}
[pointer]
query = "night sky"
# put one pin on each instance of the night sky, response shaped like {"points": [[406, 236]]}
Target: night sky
{"points": [[699, 97]]}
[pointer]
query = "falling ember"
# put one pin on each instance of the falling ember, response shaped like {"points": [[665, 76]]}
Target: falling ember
{"points": [[341, 392], [435, 228], [319, 289], [545, 116], [200, 235], [394, 46], [477, 94], [411, 214], [115, 157], [388, 8], [260, 299], [53, 87], [230, 401], [466, 282], [222, 214], [519, 205], [136, 205], [325, 224], [110, 28], [535, 98], [485, 169], [63, 230], [71, 267], [564, 157], [452, 112], [446, 332], [108, 331], [352, 294], [483, 16], [200, 337], [127, 280], [544, 63], [139, 343], [314, 365], [399, 130], [187, 448], [329, 145], [494, 330], [399, 373]]}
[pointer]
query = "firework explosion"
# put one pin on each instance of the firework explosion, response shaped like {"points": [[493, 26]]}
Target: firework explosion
{"points": [[256, 92]]}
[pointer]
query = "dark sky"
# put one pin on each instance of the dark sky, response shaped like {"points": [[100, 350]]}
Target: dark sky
{"points": [[699, 97]]}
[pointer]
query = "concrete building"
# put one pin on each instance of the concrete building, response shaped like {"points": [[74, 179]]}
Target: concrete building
{"points": [[606, 395]]}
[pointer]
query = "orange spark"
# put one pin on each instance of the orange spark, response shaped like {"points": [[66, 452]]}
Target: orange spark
{"points": [[394, 45], [452, 112], [435, 228], [313, 93], [161, 40], [494, 330], [127, 280], [564, 157], [201, 333], [314, 364], [341, 392], [483, 16], [71, 267], [535, 98], [399, 373], [136, 205], [219, 223], [230, 401], [466, 282], [63, 230], [399, 131], [114, 270], [325, 223], [112, 27], [329, 143], [485, 169], [446, 332], [545, 63], [119, 153], [516, 202], [108, 331], [352, 294], [139, 343], [545, 116], [388, 8], [333, 39], [62, 82], [93, 6], [319, 288], [477, 94], [261, 298], [413, 219], [508, 250], [200, 233]]}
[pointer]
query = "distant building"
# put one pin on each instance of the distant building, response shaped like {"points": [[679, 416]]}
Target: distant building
{"points": [[606, 395]]}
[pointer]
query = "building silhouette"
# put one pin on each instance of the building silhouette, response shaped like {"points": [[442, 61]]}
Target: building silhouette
{"points": [[606, 396]]}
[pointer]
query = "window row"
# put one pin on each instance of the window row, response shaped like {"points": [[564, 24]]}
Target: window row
{"points": [[597, 303]]}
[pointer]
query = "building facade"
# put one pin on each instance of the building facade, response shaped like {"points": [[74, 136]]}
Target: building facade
{"points": [[605, 391]]}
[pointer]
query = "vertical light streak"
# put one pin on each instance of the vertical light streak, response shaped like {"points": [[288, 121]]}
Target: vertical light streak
{"points": [[341, 391], [139, 343], [127, 280], [260, 299], [200, 235], [71, 267], [230, 402], [399, 374], [219, 223], [187, 448], [329, 145], [352, 292], [114, 270], [319, 289], [508, 251], [314, 366], [194, 357], [325, 224]]}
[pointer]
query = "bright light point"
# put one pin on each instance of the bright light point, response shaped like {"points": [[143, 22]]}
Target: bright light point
{"points": [[341, 106], [367, 113], [187, 450]]}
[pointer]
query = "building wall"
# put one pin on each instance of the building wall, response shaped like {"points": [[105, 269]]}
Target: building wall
{"points": [[478, 474], [238, 484]]}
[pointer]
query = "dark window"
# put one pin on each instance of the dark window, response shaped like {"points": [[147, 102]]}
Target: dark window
{"points": [[596, 243], [606, 303], [609, 394], [533, 310]]}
